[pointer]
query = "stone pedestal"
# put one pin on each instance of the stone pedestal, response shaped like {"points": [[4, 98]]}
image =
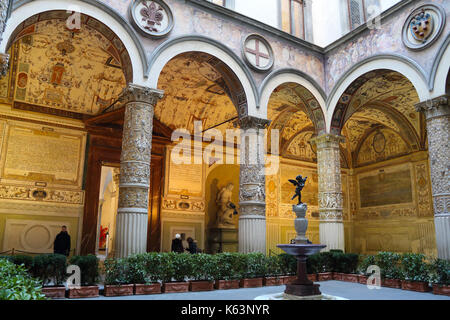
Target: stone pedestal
{"points": [[437, 113], [252, 186], [132, 213], [300, 223], [223, 240], [331, 226]]}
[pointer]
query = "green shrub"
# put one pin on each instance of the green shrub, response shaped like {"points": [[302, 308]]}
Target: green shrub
{"points": [[273, 266], [313, 264], [390, 265], [117, 272], [254, 265], [175, 266], [88, 267], [145, 268], [203, 266], [365, 263], [17, 284], [349, 263], [288, 264], [414, 267], [440, 271], [228, 266], [50, 268], [327, 262], [26, 261]]}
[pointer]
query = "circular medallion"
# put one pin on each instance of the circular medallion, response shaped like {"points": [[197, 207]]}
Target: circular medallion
{"points": [[423, 27], [379, 142], [257, 52], [151, 17]]}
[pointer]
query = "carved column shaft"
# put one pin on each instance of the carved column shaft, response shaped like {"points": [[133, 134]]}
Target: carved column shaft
{"points": [[252, 186], [4, 12], [437, 113], [134, 183], [331, 227]]}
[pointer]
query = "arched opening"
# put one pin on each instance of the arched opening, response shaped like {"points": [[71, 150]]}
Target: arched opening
{"points": [[389, 188]]}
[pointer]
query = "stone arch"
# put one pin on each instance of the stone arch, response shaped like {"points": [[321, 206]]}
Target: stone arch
{"points": [[103, 14], [439, 78], [317, 106], [366, 70], [222, 59]]}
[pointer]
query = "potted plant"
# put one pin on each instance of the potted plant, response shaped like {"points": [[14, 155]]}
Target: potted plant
{"points": [[89, 277], [175, 268], [145, 273], [325, 266], [253, 271], [228, 270], [288, 267], [440, 276], [363, 266], [118, 281], [349, 266], [415, 272], [389, 263], [202, 278], [312, 266], [273, 272], [50, 269]]}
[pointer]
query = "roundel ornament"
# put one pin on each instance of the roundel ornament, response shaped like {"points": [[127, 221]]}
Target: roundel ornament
{"points": [[257, 52], [423, 27], [151, 17]]}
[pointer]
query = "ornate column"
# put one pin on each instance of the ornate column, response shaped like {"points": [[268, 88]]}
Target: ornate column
{"points": [[132, 212], [437, 113], [4, 15], [252, 186], [331, 226]]}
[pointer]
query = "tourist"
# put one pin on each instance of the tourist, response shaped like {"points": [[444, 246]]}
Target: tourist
{"points": [[177, 244], [61, 244], [192, 245]]}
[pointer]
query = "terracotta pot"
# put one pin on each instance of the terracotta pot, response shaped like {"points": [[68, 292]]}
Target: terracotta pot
{"points": [[362, 279], [171, 287], [226, 284], [54, 292], [391, 283], [201, 286], [350, 278], [418, 286], [83, 292], [338, 276], [441, 289], [325, 276], [118, 291], [288, 279], [251, 283], [144, 289], [273, 281], [312, 277]]}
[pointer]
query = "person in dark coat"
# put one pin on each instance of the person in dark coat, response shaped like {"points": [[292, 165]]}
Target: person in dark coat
{"points": [[192, 245], [62, 242], [177, 244]]}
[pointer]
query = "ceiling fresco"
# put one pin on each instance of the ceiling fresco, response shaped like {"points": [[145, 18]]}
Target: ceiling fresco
{"points": [[194, 91], [77, 71]]}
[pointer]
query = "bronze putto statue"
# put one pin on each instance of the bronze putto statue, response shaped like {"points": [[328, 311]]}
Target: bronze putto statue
{"points": [[299, 183]]}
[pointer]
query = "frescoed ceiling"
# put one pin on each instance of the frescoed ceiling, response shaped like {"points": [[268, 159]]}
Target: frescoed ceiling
{"points": [[66, 72], [194, 91]]}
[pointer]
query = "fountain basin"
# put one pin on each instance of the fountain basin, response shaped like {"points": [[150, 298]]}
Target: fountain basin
{"points": [[301, 249]]}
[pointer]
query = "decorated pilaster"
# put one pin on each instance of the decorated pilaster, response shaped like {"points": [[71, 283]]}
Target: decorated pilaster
{"points": [[252, 186], [132, 212], [331, 226], [4, 15], [437, 113]]}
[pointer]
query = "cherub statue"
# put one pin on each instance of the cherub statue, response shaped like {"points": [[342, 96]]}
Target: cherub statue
{"points": [[299, 183]]}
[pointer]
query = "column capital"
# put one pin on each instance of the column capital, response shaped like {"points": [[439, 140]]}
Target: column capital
{"points": [[327, 140], [249, 122], [436, 107], [4, 64], [137, 93]]}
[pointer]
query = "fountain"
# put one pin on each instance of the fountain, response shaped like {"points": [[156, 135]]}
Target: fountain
{"points": [[301, 288]]}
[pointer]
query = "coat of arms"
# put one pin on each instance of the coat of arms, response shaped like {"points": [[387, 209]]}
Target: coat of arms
{"points": [[422, 26]]}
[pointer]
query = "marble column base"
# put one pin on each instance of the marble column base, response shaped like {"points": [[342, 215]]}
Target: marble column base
{"points": [[442, 225], [332, 235], [252, 234], [131, 234]]}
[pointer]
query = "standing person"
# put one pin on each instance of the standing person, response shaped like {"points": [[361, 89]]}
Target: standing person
{"points": [[184, 242], [192, 245], [61, 245], [177, 244]]}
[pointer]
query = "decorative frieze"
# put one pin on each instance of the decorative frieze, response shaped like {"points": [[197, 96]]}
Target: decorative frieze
{"points": [[39, 194], [183, 205]]}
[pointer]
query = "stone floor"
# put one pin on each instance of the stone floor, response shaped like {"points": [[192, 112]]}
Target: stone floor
{"points": [[347, 290]]}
